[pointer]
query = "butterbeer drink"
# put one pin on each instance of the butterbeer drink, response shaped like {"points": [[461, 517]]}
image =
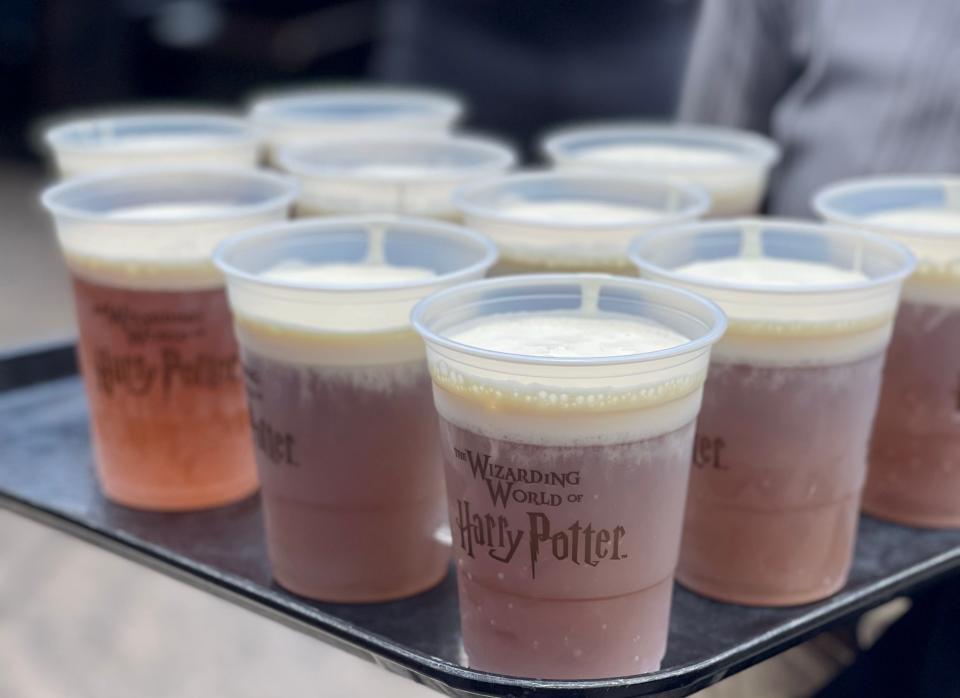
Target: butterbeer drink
{"points": [[567, 407], [781, 447], [914, 475], [411, 175], [733, 166], [160, 365], [343, 425], [171, 138], [333, 113], [570, 221]]}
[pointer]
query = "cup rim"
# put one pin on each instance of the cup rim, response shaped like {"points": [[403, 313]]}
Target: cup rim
{"points": [[822, 202], [462, 198], [272, 106], [318, 225], [287, 190], [294, 158], [715, 330], [66, 136], [750, 146], [794, 225]]}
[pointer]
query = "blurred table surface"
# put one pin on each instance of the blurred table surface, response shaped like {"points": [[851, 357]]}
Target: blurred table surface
{"points": [[78, 621]]}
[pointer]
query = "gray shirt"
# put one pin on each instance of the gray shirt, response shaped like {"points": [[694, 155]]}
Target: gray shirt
{"points": [[847, 87]]}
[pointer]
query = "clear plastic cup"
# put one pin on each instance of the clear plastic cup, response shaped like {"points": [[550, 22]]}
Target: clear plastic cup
{"points": [[781, 447], [176, 138], [572, 221], [339, 395], [313, 115], [413, 175], [156, 346], [567, 461], [733, 166], [914, 475]]}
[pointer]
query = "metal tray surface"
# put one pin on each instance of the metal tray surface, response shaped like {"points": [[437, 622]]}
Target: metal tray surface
{"points": [[46, 472]]}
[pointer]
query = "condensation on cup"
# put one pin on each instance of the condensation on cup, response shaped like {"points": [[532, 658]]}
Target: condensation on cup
{"points": [[781, 449], [312, 115], [733, 166], [915, 452], [567, 405], [156, 346], [573, 221], [340, 401], [408, 175], [152, 138]]}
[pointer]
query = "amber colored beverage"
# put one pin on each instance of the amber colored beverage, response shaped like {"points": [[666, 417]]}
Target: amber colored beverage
{"points": [[167, 406], [773, 520], [915, 452], [157, 352]]}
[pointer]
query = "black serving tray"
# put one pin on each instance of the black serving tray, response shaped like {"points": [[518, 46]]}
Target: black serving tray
{"points": [[46, 473]]}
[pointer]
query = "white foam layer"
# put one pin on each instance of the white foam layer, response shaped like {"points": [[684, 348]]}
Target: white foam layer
{"points": [[148, 247], [771, 329], [574, 405], [933, 235], [347, 275], [768, 271], [326, 329], [941, 220], [583, 212], [562, 335], [672, 155]]}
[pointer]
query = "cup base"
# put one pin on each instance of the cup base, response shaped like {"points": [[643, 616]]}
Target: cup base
{"points": [[914, 519], [211, 498], [711, 589], [363, 597]]}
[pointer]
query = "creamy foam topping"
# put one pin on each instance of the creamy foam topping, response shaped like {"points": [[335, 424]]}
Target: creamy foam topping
{"points": [[769, 271], [659, 154], [128, 250], [570, 336], [772, 330], [933, 235], [399, 171], [583, 211], [941, 220], [571, 404], [329, 330], [353, 275]]}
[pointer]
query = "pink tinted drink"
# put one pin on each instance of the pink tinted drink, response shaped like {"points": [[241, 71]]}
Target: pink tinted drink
{"points": [[565, 482], [915, 453], [566, 553], [349, 516], [340, 400], [781, 447], [778, 469]]}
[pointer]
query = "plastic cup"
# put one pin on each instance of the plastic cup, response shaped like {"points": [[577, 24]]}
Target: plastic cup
{"points": [[313, 115], [570, 221], [156, 347], [566, 472], [414, 175], [914, 475], [733, 166], [781, 447], [346, 438], [180, 139]]}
